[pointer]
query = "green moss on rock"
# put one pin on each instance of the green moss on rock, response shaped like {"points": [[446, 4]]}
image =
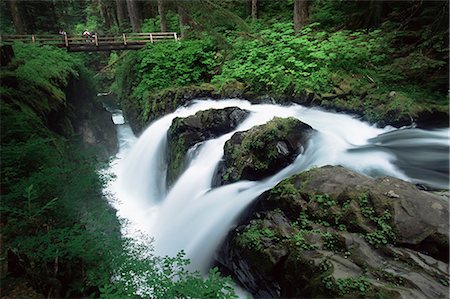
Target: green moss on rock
{"points": [[325, 233], [186, 132], [264, 150]]}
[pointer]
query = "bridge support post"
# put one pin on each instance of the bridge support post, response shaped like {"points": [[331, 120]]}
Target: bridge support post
{"points": [[124, 39], [151, 38], [33, 39]]}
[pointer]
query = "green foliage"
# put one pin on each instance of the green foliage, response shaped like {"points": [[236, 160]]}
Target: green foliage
{"points": [[174, 64], [284, 189], [331, 13], [325, 202], [54, 218], [43, 73], [253, 235], [346, 285], [139, 272], [50, 189], [154, 25], [384, 233], [278, 63]]}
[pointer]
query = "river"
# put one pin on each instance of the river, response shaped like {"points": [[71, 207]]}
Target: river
{"points": [[194, 217]]}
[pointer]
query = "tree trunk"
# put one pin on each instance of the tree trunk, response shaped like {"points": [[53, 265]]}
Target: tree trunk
{"points": [[148, 10], [134, 15], [162, 16], [184, 19], [254, 10], [301, 14], [375, 9], [105, 15], [120, 12], [17, 18]]}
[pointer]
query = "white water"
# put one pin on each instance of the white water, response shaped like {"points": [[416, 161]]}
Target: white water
{"points": [[195, 218]]}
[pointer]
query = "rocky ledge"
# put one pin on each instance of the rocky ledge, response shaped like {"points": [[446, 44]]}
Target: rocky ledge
{"points": [[331, 232], [186, 132], [263, 150]]}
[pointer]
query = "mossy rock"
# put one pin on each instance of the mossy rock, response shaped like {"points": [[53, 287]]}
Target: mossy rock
{"points": [[332, 229], [264, 150], [186, 132]]}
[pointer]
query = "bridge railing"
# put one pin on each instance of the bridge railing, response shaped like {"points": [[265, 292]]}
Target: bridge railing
{"points": [[96, 40]]}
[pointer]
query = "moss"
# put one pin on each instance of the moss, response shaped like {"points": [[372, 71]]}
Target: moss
{"points": [[251, 237], [177, 153], [284, 189], [255, 151]]}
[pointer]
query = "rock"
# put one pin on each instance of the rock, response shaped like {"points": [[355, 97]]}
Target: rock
{"points": [[263, 150], [331, 232], [186, 132], [6, 54], [91, 121], [392, 194]]}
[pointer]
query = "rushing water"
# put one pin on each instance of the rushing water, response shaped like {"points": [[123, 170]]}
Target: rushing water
{"points": [[194, 217]]}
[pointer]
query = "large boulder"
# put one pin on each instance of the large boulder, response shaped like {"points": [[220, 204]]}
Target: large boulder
{"points": [[186, 132], [331, 232], [263, 150]]}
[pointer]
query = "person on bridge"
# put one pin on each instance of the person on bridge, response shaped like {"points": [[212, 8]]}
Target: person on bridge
{"points": [[87, 35]]}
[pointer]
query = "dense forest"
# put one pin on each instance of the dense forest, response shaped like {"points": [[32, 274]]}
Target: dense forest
{"points": [[384, 62]]}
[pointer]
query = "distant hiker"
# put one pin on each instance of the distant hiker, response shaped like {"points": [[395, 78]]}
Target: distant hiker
{"points": [[86, 34]]}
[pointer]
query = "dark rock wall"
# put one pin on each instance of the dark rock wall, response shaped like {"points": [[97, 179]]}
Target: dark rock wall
{"points": [[91, 122]]}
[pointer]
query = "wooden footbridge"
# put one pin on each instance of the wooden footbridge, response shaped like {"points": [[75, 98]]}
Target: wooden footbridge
{"points": [[125, 41]]}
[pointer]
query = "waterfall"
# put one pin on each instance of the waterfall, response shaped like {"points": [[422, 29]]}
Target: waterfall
{"points": [[194, 217]]}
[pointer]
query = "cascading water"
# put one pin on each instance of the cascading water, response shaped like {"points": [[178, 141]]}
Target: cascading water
{"points": [[194, 217]]}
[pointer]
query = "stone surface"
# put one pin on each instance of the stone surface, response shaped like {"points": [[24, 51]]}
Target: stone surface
{"points": [[186, 132], [331, 232], [263, 150]]}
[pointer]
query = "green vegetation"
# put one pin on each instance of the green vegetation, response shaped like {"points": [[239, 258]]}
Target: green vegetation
{"points": [[384, 233], [387, 63], [347, 285], [55, 224], [253, 235], [332, 62], [59, 234]]}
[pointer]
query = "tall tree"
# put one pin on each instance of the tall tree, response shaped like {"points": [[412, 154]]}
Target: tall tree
{"points": [[104, 11], [17, 17], [134, 16], [301, 14], [162, 16], [375, 10], [121, 16], [184, 18], [254, 10]]}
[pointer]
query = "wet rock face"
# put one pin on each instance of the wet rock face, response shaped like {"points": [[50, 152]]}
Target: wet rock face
{"points": [[330, 232], [263, 150], [90, 121], [186, 132]]}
